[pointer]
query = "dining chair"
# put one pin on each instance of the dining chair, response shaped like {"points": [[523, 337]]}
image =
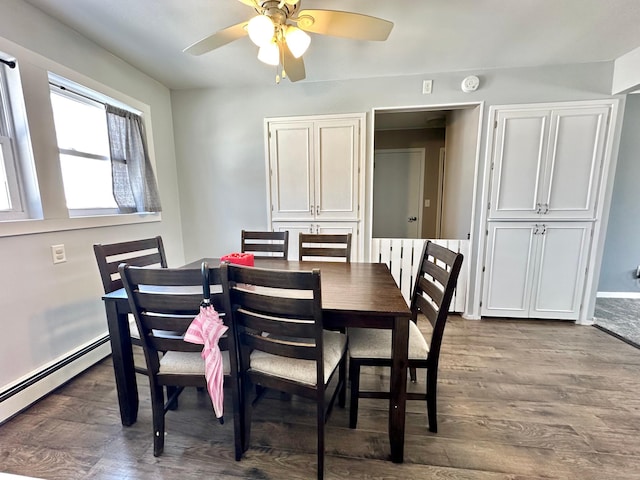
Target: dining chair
{"points": [[266, 244], [168, 299], [326, 245], [141, 253], [277, 323], [433, 289]]}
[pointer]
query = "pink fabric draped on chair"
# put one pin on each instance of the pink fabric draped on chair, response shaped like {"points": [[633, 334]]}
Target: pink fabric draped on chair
{"points": [[206, 329]]}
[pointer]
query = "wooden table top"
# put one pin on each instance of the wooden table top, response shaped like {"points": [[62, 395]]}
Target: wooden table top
{"points": [[346, 287]]}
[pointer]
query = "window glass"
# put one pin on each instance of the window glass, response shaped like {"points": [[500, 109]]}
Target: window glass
{"points": [[80, 125], [11, 206], [81, 130], [5, 197]]}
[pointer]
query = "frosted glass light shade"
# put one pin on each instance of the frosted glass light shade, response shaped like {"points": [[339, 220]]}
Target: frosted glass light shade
{"points": [[297, 41], [261, 30], [269, 54]]}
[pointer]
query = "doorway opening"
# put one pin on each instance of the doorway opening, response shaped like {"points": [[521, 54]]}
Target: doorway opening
{"points": [[432, 199]]}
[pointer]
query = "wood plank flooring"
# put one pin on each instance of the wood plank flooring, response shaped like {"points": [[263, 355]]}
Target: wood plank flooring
{"points": [[518, 400]]}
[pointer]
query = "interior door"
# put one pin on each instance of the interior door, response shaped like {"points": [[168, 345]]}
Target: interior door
{"points": [[398, 186]]}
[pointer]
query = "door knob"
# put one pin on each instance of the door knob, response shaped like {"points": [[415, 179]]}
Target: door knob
{"points": [[413, 219]]}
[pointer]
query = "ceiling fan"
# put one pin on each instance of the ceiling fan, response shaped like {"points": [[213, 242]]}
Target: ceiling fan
{"points": [[279, 30]]}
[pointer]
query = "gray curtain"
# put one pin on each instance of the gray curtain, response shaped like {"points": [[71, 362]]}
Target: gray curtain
{"points": [[134, 185]]}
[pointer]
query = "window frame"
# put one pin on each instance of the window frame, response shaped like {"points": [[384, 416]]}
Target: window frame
{"points": [[66, 88], [10, 159], [35, 148]]}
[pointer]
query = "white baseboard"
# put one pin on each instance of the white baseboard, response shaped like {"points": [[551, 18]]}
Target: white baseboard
{"points": [[618, 295], [51, 376]]}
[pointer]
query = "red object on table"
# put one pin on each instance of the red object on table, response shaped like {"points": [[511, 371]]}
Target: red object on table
{"points": [[239, 259]]}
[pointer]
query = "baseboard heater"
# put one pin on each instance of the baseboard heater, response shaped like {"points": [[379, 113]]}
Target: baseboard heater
{"points": [[34, 387]]}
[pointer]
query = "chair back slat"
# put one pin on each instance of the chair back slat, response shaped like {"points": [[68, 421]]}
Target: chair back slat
{"points": [[427, 309], [291, 327], [164, 302], [433, 290], [266, 244], [291, 348], [324, 245], [275, 311], [273, 302], [440, 274], [141, 253]]}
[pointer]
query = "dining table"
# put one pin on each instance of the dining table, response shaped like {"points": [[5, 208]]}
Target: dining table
{"points": [[353, 295]]}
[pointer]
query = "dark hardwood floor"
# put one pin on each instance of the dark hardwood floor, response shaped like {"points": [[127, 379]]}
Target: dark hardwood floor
{"points": [[519, 400]]}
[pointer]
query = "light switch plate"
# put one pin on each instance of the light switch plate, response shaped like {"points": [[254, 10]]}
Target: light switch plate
{"points": [[58, 254], [426, 86]]}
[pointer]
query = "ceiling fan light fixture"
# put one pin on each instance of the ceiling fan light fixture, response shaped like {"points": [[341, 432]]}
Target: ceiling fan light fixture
{"points": [[297, 41], [261, 30], [269, 54]]}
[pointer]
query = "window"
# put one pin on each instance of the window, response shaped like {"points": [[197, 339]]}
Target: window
{"points": [[103, 157], [81, 130], [11, 204]]}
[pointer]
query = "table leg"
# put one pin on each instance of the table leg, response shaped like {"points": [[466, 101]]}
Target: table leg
{"points": [[398, 401], [123, 366]]}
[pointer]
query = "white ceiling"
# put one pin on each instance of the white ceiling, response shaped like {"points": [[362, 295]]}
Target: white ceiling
{"points": [[428, 36]]}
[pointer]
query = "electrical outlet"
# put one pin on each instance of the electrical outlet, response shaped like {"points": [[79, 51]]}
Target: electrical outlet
{"points": [[58, 254], [426, 86]]}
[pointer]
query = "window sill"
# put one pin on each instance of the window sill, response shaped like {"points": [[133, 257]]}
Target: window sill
{"points": [[32, 227]]}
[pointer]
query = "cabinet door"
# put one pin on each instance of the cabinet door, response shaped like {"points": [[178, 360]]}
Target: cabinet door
{"points": [[337, 161], [519, 150], [509, 269], [296, 228], [572, 174], [291, 170], [560, 270]]}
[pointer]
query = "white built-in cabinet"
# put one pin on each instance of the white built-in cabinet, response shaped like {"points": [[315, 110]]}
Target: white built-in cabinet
{"points": [[314, 175], [546, 162], [536, 269], [545, 186]]}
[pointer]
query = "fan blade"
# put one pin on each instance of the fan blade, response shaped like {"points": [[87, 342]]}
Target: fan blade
{"points": [[218, 39], [293, 67], [251, 3], [344, 24]]}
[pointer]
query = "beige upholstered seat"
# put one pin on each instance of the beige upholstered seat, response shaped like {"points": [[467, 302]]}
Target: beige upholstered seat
{"points": [[303, 371], [376, 343]]}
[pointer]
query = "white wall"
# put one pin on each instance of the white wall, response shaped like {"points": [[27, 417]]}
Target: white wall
{"points": [[622, 248], [219, 135], [461, 144], [49, 310]]}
